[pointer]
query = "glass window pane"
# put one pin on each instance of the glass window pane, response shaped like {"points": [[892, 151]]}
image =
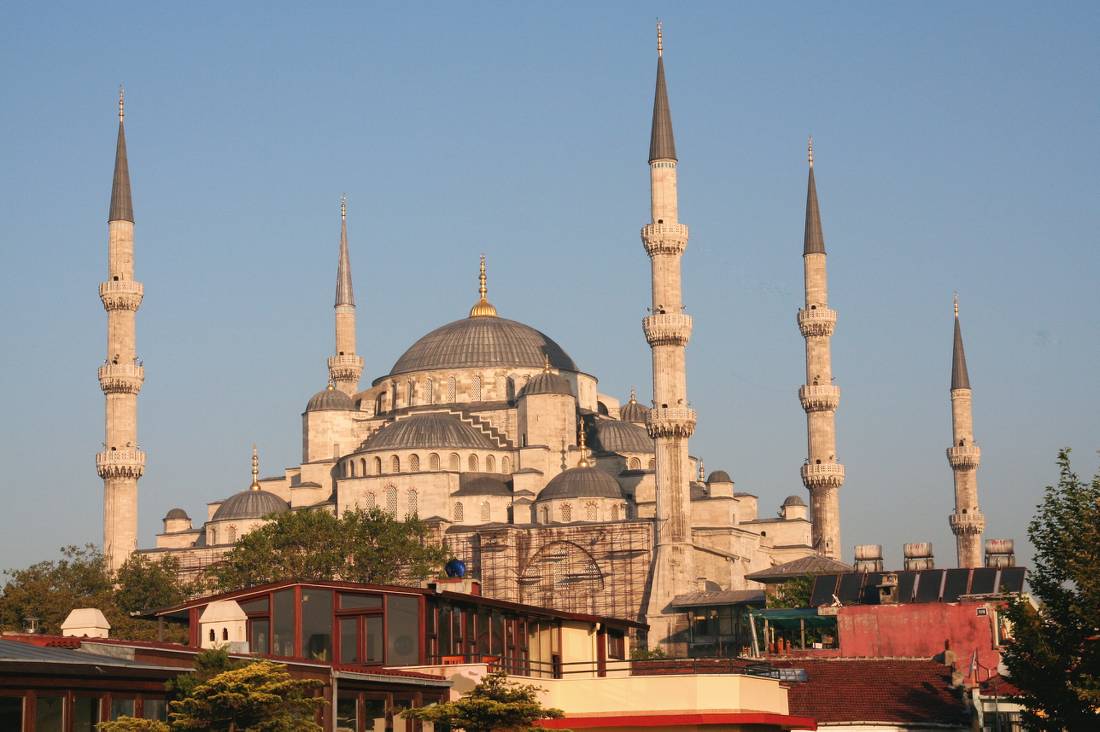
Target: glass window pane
{"points": [[259, 635], [11, 712], [374, 712], [445, 639], [257, 605], [85, 714], [352, 601], [154, 709], [120, 708], [317, 624], [483, 632], [347, 712], [402, 630], [496, 641], [47, 715], [372, 625], [284, 623], [349, 640]]}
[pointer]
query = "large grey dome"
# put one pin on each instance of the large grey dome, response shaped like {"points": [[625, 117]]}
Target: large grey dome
{"points": [[612, 435], [482, 342], [434, 429], [584, 482], [329, 399], [250, 504]]}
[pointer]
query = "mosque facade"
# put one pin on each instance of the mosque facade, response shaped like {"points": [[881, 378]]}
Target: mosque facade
{"points": [[553, 492]]}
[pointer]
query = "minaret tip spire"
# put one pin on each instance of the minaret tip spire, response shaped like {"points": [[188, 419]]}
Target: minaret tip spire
{"points": [[956, 298], [810, 151], [660, 38], [121, 102], [255, 469], [344, 206]]}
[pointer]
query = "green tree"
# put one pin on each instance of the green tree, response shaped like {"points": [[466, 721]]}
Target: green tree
{"points": [[1054, 655], [792, 593], [360, 546], [258, 697], [147, 584], [495, 704], [133, 724], [208, 664]]}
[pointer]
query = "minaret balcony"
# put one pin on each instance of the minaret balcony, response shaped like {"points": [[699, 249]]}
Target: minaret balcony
{"points": [[345, 367], [121, 294], [822, 475], [121, 378], [670, 422], [816, 398], [664, 238], [970, 524], [667, 329], [820, 321], [129, 462], [965, 457]]}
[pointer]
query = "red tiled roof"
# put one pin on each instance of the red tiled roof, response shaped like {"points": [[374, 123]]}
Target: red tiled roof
{"points": [[876, 690], [997, 685]]}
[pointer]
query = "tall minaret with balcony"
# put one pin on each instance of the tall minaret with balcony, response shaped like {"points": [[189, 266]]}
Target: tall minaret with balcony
{"points": [[667, 329], [121, 463], [345, 367], [964, 456], [821, 474]]}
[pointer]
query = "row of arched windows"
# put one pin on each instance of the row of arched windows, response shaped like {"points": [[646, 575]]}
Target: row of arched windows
{"points": [[358, 468], [591, 512], [413, 393], [412, 499], [230, 535], [458, 512]]}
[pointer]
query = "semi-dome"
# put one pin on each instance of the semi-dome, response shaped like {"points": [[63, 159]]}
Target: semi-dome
{"points": [[176, 513], [633, 411], [250, 504], [612, 435], [793, 501], [547, 383], [582, 482], [482, 342], [475, 484], [719, 476], [330, 398], [432, 430]]}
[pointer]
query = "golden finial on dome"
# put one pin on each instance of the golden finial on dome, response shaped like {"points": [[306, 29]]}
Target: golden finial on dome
{"points": [[545, 362], [331, 386], [482, 308], [810, 151], [583, 462], [702, 473], [121, 102], [255, 470], [633, 395]]}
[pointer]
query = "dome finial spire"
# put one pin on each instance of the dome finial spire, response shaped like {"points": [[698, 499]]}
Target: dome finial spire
{"points": [[255, 469], [702, 472], [583, 462], [482, 308], [545, 362], [633, 395]]}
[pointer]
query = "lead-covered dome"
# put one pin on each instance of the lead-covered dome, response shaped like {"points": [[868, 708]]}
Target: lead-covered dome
{"points": [[478, 342], [582, 482], [719, 476], [547, 383], [176, 513], [612, 435], [793, 501], [433, 430], [632, 411], [330, 398], [250, 504]]}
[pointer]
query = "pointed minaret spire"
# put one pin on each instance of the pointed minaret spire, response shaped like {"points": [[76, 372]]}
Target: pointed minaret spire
{"points": [[345, 367], [814, 240], [662, 145], [122, 208], [960, 379]]}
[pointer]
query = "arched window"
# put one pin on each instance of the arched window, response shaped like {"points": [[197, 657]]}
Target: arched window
{"points": [[411, 392], [232, 534], [590, 511], [505, 465], [455, 462], [433, 461], [379, 404], [414, 463], [371, 500], [491, 464], [652, 463], [475, 389], [615, 512], [391, 500], [412, 503], [510, 388], [393, 395], [363, 465], [484, 510], [349, 469], [213, 536], [566, 512], [395, 464], [378, 466], [635, 464], [225, 634], [473, 463], [212, 636], [452, 390], [545, 515], [429, 392], [458, 511]]}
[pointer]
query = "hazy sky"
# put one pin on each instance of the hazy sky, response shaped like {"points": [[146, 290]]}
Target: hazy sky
{"points": [[956, 147]]}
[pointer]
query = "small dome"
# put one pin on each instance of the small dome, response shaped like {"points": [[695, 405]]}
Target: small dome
{"points": [[176, 513], [547, 383], [612, 435], [633, 411], [793, 501], [719, 476], [250, 504], [434, 429], [583, 482], [330, 398]]}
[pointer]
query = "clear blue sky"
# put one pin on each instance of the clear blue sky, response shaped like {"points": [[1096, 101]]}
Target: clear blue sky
{"points": [[957, 146]]}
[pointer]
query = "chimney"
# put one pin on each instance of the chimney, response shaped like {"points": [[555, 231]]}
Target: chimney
{"points": [[888, 589], [1000, 553], [86, 622], [918, 556], [868, 558]]}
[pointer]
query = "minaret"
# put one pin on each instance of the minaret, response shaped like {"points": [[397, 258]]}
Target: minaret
{"points": [[821, 474], [345, 367], [121, 463], [667, 329], [964, 456]]}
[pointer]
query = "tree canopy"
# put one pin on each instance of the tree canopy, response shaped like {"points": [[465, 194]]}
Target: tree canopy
{"points": [[368, 546], [257, 697], [495, 704], [1054, 655]]}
